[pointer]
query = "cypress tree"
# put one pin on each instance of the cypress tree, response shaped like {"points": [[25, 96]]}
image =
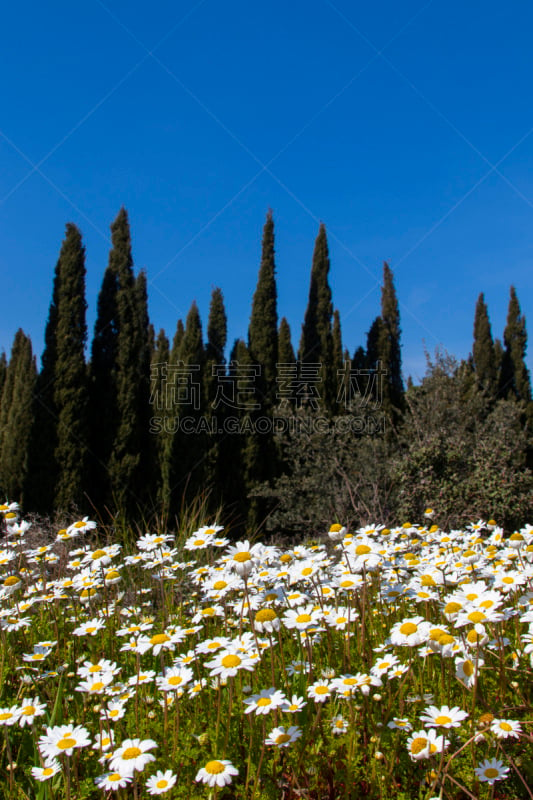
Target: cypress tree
{"points": [[3, 371], [483, 350], [515, 380], [125, 468], [103, 411], [214, 373], [70, 384], [43, 469], [263, 329], [16, 418], [316, 343], [337, 376], [389, 348], [285, 349]]}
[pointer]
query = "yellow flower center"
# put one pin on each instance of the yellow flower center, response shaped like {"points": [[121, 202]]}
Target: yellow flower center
{"points": [[112, 574], [28, 711], [476, 616], [362, 550], [66, 743], [384, 665], [505, 726], [301, 618], [418, 744], [442, 720], [321, 690], [162, 784], [230, 661], [79, 524], [218, 585], [175, 680], [265, 615], [11, 581], [97, 687], [307, 571], [5, 715], [131, 752], [115, 777], [508, 580], [264, 701], [452, 608], [48, 771], [98, 554], [408, 628], [468, 668], [241, 558], [159, 638], [490, 772], [428, 580], [214, 767], [282, 738]]}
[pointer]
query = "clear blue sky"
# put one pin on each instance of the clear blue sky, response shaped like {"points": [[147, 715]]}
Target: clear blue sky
{"points": [[406, 127]]}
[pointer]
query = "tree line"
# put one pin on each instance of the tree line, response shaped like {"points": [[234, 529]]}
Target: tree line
{"points": [[146, 424]]}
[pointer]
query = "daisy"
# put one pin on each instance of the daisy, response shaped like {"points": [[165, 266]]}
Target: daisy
{"points": [[143, 677], [48, 771], [410, 632], [161, 782], [467, 670], [174, 678], [217, 773], [281, 737], [319, 691], [30, 709], [81, 526], [226, 664], [112, 781], [113, 712], [132, 755], [89, 628], [104, 741], [302, 618], [399, 724], [293, 705], [444, 717], [9, 716], [265, 701], [506, 728], [339, 725], [423, 744], [96, 684], [63, 740], [491, 770], [266, 620]]}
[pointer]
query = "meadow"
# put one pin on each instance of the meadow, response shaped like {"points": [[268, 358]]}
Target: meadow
{"points": [[375, 663]]}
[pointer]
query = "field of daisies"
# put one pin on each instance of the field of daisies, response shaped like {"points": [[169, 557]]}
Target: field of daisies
{"points": [[377, 663]]}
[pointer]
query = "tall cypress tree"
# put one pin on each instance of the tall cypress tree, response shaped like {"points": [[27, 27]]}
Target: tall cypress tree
{"points": [[43, 469], [125, 468], [70, 384], [483, 350], [16, 418], [215, 361], [286, 353], [316, 343], [3, 371], [389, 348], [263, 329], [103, 411], [515, 379]]}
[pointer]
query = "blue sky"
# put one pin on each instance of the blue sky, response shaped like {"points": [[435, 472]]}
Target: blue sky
{"points": [[406, 127]]}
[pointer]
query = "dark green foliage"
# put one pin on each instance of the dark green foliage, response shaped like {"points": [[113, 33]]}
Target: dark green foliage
{"points": [[285, 349], [70, 381], [43, 469], [316, 344], [483, 350], [185, 449], [3, 371], [263, 329], [462, 455], [389, 349], [337, 361], [515, 380], [132, 370], [103, 411], [16, 417], [214, 374]]}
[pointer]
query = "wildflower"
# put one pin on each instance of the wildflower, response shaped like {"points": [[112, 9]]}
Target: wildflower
{"points": [[217, 773], [266, 620], [89, 628], [9, 716], [319, 691], [174, 678], [132, 755], [281, 737], [339, 724], [423, 744], [506, 728], [227, 663], [410, 632], [302, 618], [112, 781], [143, 677], [63, 740], [30, 709], [491, 770], [81, 526], [337, 532], [50, 769], [113, 712], [104, 741], [242, 558], [400, 724], [161, 782], [96, 684], [295, 704], [444, 717], [265, 701], [467, 670]]}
